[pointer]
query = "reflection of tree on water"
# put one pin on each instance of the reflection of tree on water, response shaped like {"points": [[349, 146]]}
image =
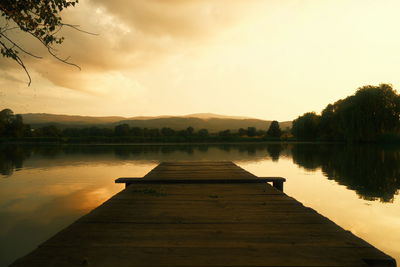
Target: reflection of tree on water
{"points": [[11, 158], [372, 171], [224, 147], [203, 148], [308, 156], [274, 151]]}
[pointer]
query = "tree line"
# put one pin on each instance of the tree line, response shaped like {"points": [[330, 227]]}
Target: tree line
{"points": [[12, 126], [371, 114]]}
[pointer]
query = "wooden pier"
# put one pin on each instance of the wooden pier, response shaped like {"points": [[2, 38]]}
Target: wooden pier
{"points": [[198, 214]]}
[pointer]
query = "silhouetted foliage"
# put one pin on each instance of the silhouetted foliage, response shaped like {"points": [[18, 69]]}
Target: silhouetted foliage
{"points": [[328, 127], [151, 132], [274, 130], [122, 130], [306, 127], [190, 130], [91, 131], [372, 112], [167, 131], [203, 133], [136, 131], [242, 132], [225, 133], [47, 131], [12, 125], [12, 129], [40, 19], [251, 131]]}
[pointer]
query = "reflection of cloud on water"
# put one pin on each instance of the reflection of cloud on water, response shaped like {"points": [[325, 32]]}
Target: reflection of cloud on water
{"points": [[75, 203], [37, 204], [49, 205], [41, 197]]}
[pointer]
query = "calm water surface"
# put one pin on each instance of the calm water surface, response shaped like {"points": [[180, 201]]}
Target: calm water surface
{"points": [[45, 188]]}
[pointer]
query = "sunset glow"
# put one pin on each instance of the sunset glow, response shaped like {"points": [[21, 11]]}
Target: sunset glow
{"points": [[272, 59]]}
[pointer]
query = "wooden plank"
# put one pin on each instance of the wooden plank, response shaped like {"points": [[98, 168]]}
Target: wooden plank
{"points": [[197, 180], [204, 224], [200, 257], [148, 195], [204, 189], [203, 235]]}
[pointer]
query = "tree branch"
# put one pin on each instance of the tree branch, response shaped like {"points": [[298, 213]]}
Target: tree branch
{"points": [[19, 47], [42, 20], [18, 60]]}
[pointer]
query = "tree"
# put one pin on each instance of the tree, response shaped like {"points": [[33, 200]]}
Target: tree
{"points": [[153, 133], [136, 131], [329, 128], [251, 131], [12, 125], [190, 130], [122, 130], [40, 19], [47, 131], [165, 131], [371, 112], [306, 126], [6, 116], [242, 132], [203, 132], [224, 133], [274, 130], [17, 127]]}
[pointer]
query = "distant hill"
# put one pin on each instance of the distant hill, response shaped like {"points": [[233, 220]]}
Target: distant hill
{"points": [[44, 118], [212, 122], [214, 116]]}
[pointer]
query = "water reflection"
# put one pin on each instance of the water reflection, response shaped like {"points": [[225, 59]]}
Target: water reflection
{"points": [[274, 151], [12, 158], [372, 171], [45, 188]]}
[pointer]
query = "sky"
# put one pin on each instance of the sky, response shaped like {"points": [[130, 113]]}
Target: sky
{"points": [[268, 59]]}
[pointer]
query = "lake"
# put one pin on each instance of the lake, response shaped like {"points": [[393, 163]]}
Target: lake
{"points": [[44, 188]]}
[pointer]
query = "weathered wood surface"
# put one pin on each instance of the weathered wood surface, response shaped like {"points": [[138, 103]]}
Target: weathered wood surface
{"points": [[186, 224]]}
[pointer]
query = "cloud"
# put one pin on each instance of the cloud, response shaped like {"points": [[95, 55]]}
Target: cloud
{"points": [[131, 35], [176, 18]]}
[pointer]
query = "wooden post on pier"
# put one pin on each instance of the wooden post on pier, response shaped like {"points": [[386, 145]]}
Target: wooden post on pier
{"points": [[277, 182]]}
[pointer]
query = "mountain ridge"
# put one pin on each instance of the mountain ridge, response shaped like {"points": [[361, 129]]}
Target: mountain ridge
{"points": [[210, 121]]}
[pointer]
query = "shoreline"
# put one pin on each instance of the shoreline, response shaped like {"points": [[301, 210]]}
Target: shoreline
{"points": [[186, 143]]}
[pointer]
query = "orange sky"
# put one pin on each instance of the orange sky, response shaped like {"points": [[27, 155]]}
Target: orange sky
{"points": [[270, 59]]}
